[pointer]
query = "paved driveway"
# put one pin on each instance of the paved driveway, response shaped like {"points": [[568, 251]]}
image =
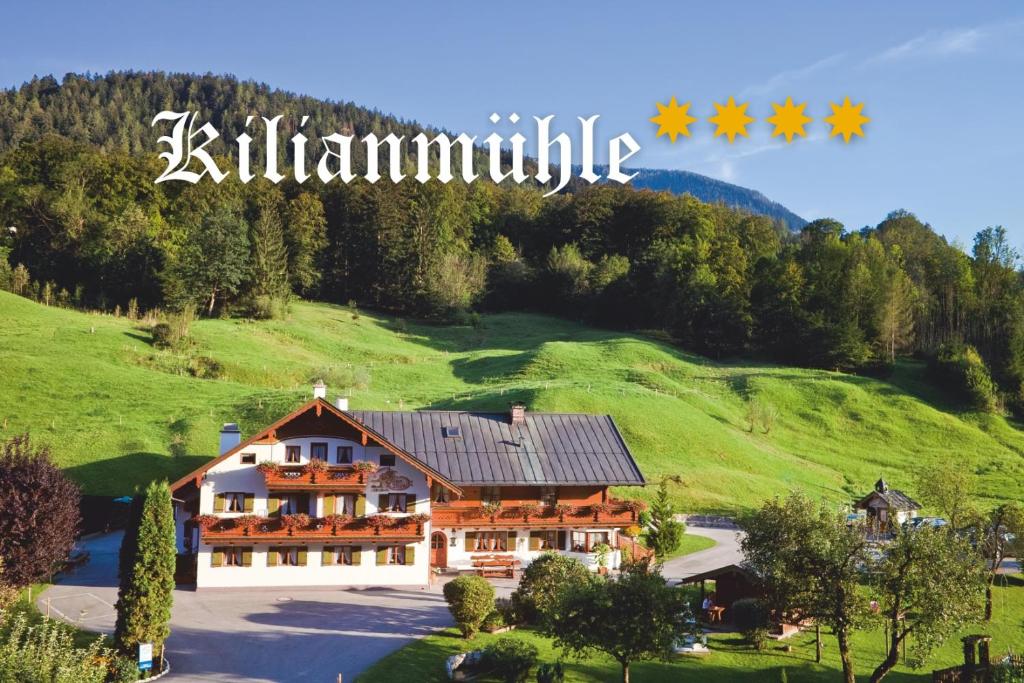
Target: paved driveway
{"points": [[260, 634], [726, 552]]}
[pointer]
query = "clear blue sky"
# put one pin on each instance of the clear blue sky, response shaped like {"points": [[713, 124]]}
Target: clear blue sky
{"points": [[941, 80]]}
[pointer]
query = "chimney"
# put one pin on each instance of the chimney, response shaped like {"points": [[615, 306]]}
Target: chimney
{"points": [[341, 403], [230, 436], [518, 413], [319, 389]]}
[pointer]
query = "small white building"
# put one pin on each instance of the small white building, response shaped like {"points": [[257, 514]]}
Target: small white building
{"points": [[331, 497]]}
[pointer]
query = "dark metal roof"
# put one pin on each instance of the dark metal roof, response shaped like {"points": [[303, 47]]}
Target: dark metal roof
{"points": [[548, 449]]}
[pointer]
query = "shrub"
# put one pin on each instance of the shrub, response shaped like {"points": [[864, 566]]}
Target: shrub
{"points": [[470, 599], [962, 370], [512, 658], [550, 673], [204, 367], [541, 583], [46, 652], [750, 616], [493, 621]]}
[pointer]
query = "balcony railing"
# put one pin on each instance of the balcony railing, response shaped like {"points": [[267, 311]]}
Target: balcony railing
{"points": [[615, 513], [383, 528], [302, 478]]}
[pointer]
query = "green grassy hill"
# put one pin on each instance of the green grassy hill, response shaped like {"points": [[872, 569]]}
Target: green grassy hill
{"points": [[119, 412]]}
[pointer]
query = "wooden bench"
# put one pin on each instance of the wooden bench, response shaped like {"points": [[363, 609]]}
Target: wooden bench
{"points": [[495, 566]]}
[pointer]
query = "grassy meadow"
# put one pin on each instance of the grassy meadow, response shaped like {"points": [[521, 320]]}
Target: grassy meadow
{"points": [[118, 412]]}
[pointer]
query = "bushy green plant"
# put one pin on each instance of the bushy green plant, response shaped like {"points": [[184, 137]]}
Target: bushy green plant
{"points": [[46, 653], [541, 582], [511, 658], [750, 616], [962, 369], [493, 621], [470, 599], [550, 673]]}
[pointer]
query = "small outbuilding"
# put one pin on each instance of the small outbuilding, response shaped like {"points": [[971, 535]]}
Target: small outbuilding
{"points": [[732, 582], [886, 507]]}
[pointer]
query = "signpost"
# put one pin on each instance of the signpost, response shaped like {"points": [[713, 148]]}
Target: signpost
{"points": [[145, 656]]}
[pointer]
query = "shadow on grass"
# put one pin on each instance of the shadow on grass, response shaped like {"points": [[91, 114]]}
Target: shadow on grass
{"points": [[123, 474]]}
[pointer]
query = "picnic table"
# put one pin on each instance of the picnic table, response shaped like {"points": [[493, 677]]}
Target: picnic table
{"points": [[495, 566], [715, 614]]}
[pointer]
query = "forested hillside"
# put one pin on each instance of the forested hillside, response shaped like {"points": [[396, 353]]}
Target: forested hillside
{"points": [[94, 231]]}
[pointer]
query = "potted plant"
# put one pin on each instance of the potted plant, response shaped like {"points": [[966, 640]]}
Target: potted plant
{"points": [[364, 467], [378, 522], [601, 552], [315, 467], [563, 509], [599, 509], [297, 521], [492, 508], [247, 523], [337, 521], [266, 467], [206, 522], [529, 510]]}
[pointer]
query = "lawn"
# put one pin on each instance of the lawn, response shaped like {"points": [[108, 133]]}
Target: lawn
{"points": [[690, 544], [731, 659], [119, 412]]}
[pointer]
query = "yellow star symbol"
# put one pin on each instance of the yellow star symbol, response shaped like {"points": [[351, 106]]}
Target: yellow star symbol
{"points": [[673, 119], [731, 119], [789, 119], [846, 119]]}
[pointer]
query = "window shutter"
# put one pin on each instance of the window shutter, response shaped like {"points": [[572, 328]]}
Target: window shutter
{"points": [[410, 554], [328, 505], [271, 557], [301, 557], [250, 500], [382, 555], [327, 555], [511, 544], [535, 540], [360, 505], [561, 540], [273, 506], [382, 502], [357, 556], [217, 558], [410, 502], [246, 557], [470, 541], [219, 501]]}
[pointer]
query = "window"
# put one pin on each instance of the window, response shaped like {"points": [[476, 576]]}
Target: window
{"points": [[292, 453], [234, 502], [394, 502], [248, 458], [288, 557], [452, 432], [233, 557], [318, 451], [395, 554], [294, 503], [548, 495], [343, 555], [490, 494], [597, 538], [492, 540], [438, 493], [579, 542], [549, 540], [344, 455], [345, 504], [387, 459]]}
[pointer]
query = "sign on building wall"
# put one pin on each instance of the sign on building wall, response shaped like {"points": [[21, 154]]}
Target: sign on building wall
{"points": [[386, 479]]}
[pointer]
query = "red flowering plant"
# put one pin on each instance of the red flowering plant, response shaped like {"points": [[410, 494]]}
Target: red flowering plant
{"points": [[419, 519], [563, 509], [492, 508], [379, 522], [529, 510], [601, 509], [247, 523], [206, 522], [337, 521], [297, 521], [267, 467]]}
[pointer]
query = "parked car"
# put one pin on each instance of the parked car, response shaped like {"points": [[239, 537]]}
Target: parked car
{"points": [[921, 522]]}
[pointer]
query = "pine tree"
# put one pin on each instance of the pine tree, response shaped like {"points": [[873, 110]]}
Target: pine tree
{"points": [[270, 285], [665, 533], [147, 587], [897, 315]]}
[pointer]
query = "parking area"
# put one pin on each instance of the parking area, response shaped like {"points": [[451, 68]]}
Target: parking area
{"points": [[258, 635]]}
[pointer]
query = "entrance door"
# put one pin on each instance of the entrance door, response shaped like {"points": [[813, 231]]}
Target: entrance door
{"points": [[438, 550]]}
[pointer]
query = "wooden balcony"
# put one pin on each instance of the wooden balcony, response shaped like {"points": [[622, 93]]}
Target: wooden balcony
{"points": [[298, 478], [614, 514], [272, 530]]}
